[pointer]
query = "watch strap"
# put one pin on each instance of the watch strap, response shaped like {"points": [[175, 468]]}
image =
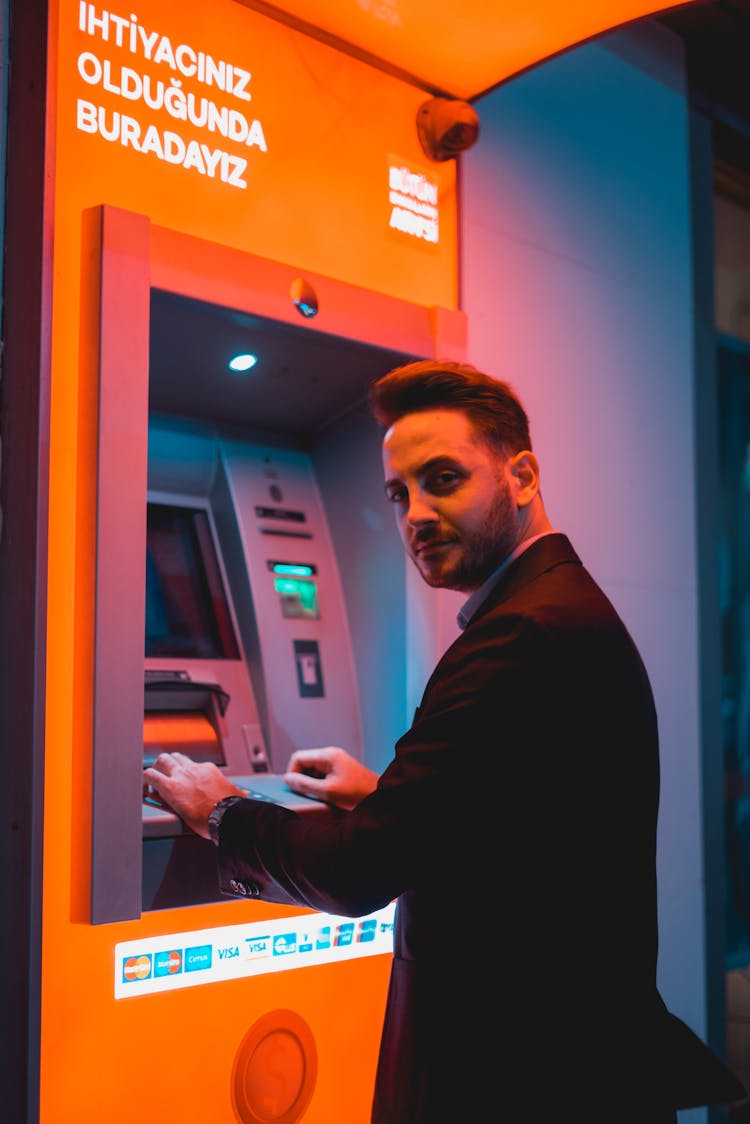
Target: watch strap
{"points": [[217, 814]]}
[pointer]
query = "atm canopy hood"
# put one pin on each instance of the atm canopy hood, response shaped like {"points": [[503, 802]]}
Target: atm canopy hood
{"points": [[459, 48]]}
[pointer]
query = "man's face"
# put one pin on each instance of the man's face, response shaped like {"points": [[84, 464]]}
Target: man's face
{"points": [[453, 497]]}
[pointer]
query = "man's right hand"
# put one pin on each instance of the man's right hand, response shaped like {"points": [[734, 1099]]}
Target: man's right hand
{"points": [[330, 774], [189, 788]]}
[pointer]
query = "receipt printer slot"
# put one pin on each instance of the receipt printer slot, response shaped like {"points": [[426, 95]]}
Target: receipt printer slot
{"points": [[185, 716]]}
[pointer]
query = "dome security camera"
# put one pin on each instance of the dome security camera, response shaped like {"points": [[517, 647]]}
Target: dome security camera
{"points": [[446, 126]]}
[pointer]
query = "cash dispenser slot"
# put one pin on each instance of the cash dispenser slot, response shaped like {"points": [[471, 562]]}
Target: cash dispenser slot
{"points": [[184, 715], [180, 714]]}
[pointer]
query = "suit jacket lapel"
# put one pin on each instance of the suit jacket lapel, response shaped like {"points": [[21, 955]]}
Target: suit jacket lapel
{"points": [[544, 554]]}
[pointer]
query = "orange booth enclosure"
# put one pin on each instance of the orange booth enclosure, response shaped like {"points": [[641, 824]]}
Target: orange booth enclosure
{"points": [[208, 158], [219, 174]]}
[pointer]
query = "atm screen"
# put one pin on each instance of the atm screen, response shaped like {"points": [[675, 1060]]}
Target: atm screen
{"points": [[187, 612]]}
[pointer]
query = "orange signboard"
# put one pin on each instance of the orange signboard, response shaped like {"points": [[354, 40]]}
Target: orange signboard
{"points": [[220, 122]]}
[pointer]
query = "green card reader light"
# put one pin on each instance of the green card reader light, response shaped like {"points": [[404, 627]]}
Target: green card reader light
{"points": [[297, 591]]}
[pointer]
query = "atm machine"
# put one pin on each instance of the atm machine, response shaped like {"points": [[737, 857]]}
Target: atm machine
{"points": [[248, 649]]}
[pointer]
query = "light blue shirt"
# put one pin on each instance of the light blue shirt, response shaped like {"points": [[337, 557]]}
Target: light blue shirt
{"points": [[470, 606]]}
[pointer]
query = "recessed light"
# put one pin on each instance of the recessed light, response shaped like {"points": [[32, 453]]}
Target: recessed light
{"points": [[242, 362]]}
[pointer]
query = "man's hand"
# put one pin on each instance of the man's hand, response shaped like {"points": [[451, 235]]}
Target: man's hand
{"points": [[188, 788], [330, 774]]}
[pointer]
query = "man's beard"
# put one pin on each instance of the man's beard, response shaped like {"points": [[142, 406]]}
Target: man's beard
{"points": [[484, 550]]}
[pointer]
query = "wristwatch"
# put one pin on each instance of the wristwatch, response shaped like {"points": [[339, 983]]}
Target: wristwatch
{"points": [[217, 814]]}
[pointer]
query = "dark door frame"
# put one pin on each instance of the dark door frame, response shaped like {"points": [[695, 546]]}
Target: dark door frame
{"points": [[24, 464]]}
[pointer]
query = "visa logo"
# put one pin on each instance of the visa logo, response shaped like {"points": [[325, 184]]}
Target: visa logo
{"points": [[228, 953], [257, 946]]}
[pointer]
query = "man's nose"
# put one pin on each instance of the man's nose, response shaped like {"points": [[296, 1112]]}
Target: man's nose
{"points": [[420, 509]]}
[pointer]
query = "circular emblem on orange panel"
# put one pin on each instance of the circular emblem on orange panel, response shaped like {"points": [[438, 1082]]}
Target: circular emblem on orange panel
{"points": [[137, 968], [274, 1070]]}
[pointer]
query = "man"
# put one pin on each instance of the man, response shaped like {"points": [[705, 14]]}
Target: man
{"points": [[516, 823]]}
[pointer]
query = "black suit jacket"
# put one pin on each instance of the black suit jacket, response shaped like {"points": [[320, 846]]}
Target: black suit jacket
{"points": [[516, 826]]}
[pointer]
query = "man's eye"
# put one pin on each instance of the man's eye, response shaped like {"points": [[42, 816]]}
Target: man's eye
{"points": [[395, 495], [444, 481]]}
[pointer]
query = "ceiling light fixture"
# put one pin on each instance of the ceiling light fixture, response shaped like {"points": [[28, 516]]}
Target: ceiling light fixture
{"points": [[242, 362]]}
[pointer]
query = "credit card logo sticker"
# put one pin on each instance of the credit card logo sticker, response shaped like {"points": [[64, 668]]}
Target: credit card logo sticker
{"points": [[366, 930], [168, 963], [229, 952], [198, 958], [136, 968], [257, 947], [284, 944]]}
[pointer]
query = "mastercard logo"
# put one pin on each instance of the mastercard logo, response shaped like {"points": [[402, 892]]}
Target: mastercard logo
{"points": [[136, 968]]}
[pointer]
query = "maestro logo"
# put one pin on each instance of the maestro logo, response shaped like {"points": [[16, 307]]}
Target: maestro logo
{"points": [[168, 963]]}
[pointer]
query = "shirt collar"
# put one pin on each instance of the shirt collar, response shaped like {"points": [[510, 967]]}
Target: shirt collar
{"points": [[470, 606]]}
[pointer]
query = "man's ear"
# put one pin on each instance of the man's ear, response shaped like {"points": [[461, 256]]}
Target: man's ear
{"points": [[524, 475]]}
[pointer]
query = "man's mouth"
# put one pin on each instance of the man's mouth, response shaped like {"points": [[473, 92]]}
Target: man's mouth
{"points": [[425, 548]]}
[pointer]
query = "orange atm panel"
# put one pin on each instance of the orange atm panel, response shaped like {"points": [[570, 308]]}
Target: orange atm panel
{"points": [[168, 952]]}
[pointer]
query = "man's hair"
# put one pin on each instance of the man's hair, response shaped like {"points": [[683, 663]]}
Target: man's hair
{"points": [[433, 384]]}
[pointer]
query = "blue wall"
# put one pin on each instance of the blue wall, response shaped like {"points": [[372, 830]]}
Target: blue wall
{"points": [[577, 282]]}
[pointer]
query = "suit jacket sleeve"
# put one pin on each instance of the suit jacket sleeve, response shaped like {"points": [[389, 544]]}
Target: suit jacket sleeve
{"points": [[414, 829]]}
